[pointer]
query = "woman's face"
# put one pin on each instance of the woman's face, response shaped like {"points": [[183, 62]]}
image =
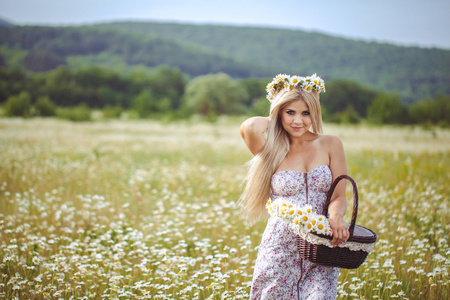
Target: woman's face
{"points": [[296, 118]]}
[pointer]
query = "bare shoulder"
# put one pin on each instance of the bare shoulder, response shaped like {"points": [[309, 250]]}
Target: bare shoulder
{"points": [[330, 141]]}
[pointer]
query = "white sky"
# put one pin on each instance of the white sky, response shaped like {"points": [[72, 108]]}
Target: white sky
{"points": [[404, 22]]}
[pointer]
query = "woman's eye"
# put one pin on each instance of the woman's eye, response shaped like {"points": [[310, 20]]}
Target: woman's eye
{"points": [[305, 113], [291, 112]]}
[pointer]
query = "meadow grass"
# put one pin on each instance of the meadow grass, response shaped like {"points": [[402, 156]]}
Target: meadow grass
{"points": [[147, 210]]}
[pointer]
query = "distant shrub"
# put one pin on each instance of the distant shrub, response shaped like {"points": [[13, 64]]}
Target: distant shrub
{"points": [[145, 104], [387, 109], [261, 107], [77, 113], [18, 105], [432, 111], [45, 107], [111, 112], [348, 116]]}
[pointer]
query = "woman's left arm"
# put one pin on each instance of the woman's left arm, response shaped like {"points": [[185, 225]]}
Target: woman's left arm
{"points": [[338, 205]]}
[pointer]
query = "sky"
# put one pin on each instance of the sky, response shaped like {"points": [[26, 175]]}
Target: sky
{"points": [[423, 23]]}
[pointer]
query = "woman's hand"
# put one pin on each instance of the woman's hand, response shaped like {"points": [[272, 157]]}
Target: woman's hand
{"points": [[339, 230]]}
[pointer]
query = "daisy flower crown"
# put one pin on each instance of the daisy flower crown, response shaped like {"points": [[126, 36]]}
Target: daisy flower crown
{"points": [[287, 82]]}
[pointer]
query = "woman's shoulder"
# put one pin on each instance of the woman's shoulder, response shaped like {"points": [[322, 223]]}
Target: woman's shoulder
{"points": [[329, 141], [329, 138]]}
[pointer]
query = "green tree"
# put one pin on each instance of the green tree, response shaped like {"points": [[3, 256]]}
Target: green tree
{"points": [[168, 83], [18, 105], [215, 94], [145, 104], [45, 107], [387, 109], [434, 111], [256, 89], [261, 107], [342, 93], [348, 116]]}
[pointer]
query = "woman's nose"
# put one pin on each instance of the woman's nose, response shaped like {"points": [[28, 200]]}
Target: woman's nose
{"points": [[298, 119]]}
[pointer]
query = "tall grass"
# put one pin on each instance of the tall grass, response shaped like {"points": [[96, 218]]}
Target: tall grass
{"points": [[144, 210]]}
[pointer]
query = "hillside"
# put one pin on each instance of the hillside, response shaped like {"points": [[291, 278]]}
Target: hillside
{"points": [[49, 47], [242, 52], [411, 71]]}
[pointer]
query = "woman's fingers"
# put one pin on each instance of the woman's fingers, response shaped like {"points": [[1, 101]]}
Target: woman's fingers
{"points": [[339, 236]]}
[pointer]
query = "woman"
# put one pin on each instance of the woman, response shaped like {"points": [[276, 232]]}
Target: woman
{"points": [[293, 162]]}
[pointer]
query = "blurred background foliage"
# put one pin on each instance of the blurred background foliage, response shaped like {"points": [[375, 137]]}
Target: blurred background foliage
{"points": [[172, 71]]}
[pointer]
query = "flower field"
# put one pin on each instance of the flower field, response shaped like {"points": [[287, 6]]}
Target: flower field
{"points": [[147, 210]]}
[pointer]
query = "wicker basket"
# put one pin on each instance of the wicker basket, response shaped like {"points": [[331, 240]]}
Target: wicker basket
{"points": [[339, 257]]}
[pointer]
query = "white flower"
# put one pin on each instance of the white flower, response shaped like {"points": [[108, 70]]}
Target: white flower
{"points": [[291, 212], [36, 260], [307, 87], [308, 209], [296, 80], [321, 227], [302, 218]]}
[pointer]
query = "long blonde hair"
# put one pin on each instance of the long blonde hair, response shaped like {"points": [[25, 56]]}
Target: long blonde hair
{"points": [[265, 163]]}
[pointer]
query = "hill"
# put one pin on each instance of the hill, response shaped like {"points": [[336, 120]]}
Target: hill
{"points": [[4, 22], [242, 52], [49, 47], [411, 71]]}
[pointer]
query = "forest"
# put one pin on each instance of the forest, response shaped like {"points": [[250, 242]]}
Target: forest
{"points": [[179, 70]]}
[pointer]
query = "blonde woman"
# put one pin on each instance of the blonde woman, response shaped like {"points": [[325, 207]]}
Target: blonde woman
{"points": [[294, 162]]}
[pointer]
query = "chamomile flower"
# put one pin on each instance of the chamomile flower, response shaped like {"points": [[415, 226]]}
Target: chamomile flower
{"points": [[304, 218], [308, 209], [308, 227], [282, 77], [36, 260], [288, 86], [320, 218], [321, 227], [307, 87], [291, 212], [295, 80], [299, 211]]}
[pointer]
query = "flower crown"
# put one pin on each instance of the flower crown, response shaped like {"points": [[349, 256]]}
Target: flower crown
{"points": [[287, 82]]}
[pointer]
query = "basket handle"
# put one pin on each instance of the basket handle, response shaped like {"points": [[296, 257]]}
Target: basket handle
{"points": [[355, 200]]}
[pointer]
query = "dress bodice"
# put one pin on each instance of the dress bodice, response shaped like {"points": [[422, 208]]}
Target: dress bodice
{"points": [[302, 187]]}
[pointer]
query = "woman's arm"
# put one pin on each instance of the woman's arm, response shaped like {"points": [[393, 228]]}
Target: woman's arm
{"points": [[338, 205], [252, 132]]}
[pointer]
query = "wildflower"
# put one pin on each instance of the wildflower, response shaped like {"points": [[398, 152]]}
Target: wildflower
{"points": [[36, 260]]}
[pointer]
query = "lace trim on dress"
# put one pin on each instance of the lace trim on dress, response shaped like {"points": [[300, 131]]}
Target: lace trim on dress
{"points": [[317, 240]]}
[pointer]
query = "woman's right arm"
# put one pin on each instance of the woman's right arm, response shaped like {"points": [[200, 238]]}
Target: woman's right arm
{"points": [[252, 132]]}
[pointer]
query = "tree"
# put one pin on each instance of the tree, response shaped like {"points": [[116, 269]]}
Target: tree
{"points": [[387, 109], [168, 83], [434, 111], [215, 94], [45, 107], [18, 105], [348, 116], [342, 93], [145, 104]]}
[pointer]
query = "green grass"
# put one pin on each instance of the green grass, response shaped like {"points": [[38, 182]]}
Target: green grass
{"points": [[146, 210]]}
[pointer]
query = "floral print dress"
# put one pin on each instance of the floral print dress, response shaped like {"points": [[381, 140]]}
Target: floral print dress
{"points": [[279, 272]]}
